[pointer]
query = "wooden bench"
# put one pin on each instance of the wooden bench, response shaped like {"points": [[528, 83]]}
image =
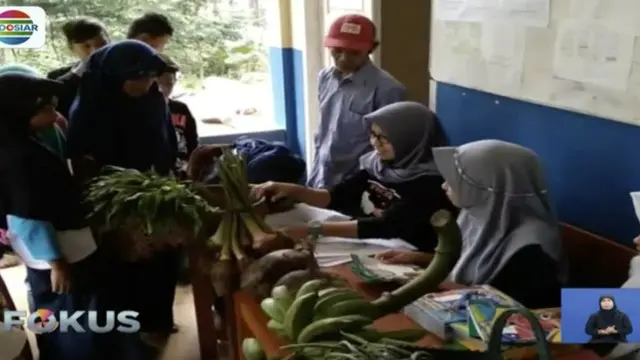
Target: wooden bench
{"points": [[594, 261]]}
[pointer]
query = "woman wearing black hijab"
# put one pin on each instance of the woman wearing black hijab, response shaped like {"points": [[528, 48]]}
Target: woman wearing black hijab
{"points": [[608, 325], [120, 118], [41, 206]]}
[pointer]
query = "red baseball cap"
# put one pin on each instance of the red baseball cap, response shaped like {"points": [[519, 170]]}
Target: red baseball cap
{"points": [[353, 32]]}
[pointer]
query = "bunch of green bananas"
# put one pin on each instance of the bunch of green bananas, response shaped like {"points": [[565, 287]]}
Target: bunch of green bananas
{"points": [[318, 313]]}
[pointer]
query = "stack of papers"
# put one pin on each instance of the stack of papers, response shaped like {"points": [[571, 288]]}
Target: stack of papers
{"points": [[332, 251]]}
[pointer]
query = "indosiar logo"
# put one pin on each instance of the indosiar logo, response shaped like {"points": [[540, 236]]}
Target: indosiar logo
{"points": [[22, 27]]}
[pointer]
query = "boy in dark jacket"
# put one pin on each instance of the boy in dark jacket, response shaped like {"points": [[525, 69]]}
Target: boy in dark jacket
{"points": [[183, 121], [84, 36]]}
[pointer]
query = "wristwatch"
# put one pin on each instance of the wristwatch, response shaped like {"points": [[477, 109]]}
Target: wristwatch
{"points": [[315, 229]]}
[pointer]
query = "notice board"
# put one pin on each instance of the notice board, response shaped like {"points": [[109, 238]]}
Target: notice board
{"points": [[579, 55]]}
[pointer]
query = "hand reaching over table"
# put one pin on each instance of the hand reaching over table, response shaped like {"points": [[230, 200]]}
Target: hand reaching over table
{"points": [[405, 257]]}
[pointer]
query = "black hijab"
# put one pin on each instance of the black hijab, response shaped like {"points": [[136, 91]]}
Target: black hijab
{"points": [[113, 128], [608, 317], [25, 190], [33, 93]]}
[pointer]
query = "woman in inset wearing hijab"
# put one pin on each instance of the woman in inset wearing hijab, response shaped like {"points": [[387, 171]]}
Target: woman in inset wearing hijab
{"points": [[41, 206], [510, 236], [120, 118], [396, 190], [608, 325]]}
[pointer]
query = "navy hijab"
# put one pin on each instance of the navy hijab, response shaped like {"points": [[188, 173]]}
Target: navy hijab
{"points": [[114, 128]]}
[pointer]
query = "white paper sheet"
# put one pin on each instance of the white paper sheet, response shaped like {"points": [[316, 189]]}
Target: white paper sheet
{"points": [[302, 214], [503, 48], [333, 261], [592, 52], [525, 12], [11, 342], [521, 12], [635, 198], [621, 15], [448, 9], [332, 251]]}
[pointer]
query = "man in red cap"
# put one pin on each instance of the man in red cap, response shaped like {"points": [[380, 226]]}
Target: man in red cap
{"points": [[347, 91]]}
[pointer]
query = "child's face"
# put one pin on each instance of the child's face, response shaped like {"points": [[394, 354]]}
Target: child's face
{"points": [[167, 82], [156, 42], [84, 49], [381, 143], [46, 117]]}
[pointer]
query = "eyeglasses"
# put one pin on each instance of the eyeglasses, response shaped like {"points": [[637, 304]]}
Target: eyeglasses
{"points": [[379, 137]]}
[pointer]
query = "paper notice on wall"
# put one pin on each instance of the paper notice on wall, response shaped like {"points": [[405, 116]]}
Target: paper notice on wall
{"points": [[521, 12], [503, 48], [467, 10], [591, 52], [621, 15], [480, 10], [533, 13], [448, 9], [635, 197]]}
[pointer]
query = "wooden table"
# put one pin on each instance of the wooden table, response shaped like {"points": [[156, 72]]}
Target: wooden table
{"points": [[251, 321]]}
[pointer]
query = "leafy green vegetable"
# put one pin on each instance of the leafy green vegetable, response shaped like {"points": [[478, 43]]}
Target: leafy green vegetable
{"points": [[123, 197]]}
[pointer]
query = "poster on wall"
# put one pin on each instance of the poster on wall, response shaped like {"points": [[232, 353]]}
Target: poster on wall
{"points": [[522, 12], [503, 48], [621, 15], [594, 53]]}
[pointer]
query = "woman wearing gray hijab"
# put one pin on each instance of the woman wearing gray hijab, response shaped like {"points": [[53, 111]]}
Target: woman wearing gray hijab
{"points": [[510, 235], [397, 188]]}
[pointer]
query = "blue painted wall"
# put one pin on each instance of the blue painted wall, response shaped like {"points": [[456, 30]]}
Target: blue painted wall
{"points": [[592, 164], [287, 79]]}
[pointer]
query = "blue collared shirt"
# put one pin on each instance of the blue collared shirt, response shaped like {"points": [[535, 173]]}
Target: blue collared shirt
{"points": [[342, 137]]}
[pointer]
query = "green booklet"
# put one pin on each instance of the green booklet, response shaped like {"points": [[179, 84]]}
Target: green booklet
{"points": [[372, 270]]}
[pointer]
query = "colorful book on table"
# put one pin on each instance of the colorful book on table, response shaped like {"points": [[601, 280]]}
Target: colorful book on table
{"points": [[438, 312], [482, 315]]}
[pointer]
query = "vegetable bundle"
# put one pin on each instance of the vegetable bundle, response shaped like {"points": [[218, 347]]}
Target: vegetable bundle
{"points": [[242, 234], [138, 213], [354, 347]]}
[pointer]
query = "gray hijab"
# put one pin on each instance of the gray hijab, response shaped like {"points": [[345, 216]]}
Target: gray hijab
{"points": [[413, 131], [501, 190]]}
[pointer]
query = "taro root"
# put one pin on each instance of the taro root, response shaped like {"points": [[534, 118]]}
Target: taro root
{"points": [[266, 271], [295, 279]]}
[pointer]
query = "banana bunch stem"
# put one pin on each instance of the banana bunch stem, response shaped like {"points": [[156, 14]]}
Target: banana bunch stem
{"points": [[241, 230]]}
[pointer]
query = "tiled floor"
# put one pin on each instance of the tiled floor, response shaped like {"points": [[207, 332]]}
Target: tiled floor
{"points": [[183, 345]]}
